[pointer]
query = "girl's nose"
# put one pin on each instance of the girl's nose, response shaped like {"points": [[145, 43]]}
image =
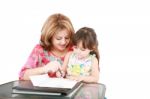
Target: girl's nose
{"points": [[78, 51]]}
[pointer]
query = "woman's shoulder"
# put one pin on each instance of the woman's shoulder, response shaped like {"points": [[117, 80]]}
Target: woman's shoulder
{"points": [[38, 48]]}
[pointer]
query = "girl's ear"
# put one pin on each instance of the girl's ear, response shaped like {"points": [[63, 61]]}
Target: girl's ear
{"points": [[74, 47]]}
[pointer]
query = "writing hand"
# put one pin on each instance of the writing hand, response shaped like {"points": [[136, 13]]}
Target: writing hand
{"points": [[60, 73], [52, 66]]}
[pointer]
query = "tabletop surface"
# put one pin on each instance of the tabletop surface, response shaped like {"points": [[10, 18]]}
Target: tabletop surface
{"points": [[87, 91]]}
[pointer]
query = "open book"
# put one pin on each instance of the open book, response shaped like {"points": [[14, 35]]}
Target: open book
{"points": [[43, 85]]}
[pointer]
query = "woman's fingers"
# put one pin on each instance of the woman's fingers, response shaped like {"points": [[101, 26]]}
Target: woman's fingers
{"points": [[52, 66]]}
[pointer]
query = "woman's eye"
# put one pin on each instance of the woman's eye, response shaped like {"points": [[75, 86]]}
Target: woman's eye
{"points": [[58, 38], [67, 38]]}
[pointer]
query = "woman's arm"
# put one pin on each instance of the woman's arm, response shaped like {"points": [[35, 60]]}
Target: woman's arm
{"points": [[32, 67], [50, 67], [32, 71]]}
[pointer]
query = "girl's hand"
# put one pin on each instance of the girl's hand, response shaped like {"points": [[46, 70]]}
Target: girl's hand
{"points": [[77, 78], [52, 66]]}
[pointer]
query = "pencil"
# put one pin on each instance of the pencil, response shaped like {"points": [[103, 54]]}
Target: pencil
{"points": [[61, 74]]}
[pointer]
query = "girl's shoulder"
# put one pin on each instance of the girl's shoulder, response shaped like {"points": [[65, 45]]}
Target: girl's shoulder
{"points": [[92, 57], [95, 59]]}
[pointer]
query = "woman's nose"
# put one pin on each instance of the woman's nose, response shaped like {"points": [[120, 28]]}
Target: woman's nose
{"points": [[63, 41]]}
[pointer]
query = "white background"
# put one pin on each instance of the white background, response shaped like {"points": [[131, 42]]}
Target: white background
{"points": [[123, 28]]}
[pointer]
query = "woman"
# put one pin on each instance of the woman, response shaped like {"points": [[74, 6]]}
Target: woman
{"points": [[55, 42]]}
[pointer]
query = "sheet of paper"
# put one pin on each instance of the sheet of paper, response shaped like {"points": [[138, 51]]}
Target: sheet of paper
{"points": [[46, 81]]}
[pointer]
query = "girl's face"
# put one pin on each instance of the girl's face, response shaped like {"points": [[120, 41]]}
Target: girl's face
{"points": [[80, 51], [60, 40]]}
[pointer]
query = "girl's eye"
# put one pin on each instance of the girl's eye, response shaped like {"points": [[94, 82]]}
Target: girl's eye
{"points": [[82, 49]]}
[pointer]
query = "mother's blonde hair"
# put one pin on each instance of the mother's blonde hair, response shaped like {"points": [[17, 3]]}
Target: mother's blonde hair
{"points": [[52, 25]]}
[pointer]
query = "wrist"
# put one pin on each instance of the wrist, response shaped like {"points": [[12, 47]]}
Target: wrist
{"points": [[44, 70]]}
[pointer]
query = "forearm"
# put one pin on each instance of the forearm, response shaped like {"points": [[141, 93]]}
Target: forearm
{"points": [[86, 79], [50, 67], [89, 79], [34, 71]]}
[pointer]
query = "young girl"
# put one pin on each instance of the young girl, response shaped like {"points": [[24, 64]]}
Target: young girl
{"points": [[83, 63], [55, 42]]}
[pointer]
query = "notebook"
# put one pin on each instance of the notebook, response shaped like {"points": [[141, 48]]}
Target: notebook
{"points": [[26, 87], [45, 81]]}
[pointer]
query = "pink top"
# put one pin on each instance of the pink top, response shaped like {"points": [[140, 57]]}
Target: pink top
{"points": [[39, 57]]}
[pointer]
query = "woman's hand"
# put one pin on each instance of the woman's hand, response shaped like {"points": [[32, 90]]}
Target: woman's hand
{"points": [[52, 66], [60, 73]]}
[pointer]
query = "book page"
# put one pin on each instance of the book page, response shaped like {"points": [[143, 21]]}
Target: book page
{"points": [[46, 81]]}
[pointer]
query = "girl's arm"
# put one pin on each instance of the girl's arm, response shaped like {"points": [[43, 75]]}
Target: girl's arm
{"points": [[93, 78], [66, 60], [95, 73]]}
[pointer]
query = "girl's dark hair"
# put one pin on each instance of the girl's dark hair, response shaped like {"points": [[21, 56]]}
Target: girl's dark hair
{"points": [[88, 38]]}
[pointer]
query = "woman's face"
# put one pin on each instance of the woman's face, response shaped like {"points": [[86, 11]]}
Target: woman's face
{"points": [[60, 40]]}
